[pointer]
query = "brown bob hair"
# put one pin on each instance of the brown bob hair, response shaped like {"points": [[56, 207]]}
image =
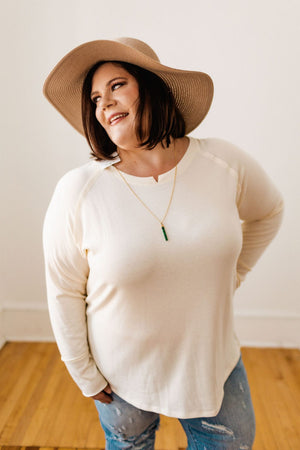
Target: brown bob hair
{"points": [[156, 105]]}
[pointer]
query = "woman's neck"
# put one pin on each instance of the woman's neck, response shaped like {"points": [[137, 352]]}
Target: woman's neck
{"points": [[152, 163]]}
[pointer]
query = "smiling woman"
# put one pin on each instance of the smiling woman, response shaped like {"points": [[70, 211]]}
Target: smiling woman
{"points": [[154, 116], [143, 315], [116, 93]]}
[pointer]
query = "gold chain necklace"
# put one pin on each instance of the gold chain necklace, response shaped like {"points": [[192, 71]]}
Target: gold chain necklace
{"points": [[161, 221]]}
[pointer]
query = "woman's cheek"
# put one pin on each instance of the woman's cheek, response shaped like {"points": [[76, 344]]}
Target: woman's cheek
{"points": [[99, 117]]}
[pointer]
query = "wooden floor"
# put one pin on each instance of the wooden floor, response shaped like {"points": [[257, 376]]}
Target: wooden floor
{"points": [[41, 408]]}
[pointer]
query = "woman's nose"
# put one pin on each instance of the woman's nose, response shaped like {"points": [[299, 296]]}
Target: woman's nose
{"points": [[106, 101]]}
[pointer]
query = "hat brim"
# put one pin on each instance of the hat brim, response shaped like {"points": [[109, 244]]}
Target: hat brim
{"points": [[193, 91]]}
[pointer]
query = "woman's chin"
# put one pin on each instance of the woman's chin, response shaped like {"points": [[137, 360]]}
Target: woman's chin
{"points": [[125, 142]]}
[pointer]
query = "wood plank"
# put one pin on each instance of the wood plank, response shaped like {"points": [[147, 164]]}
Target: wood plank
{"points": [[57, 412], [275, 391], [41, 407], [170, 434], [27, 418], [13, 447], [16, 392]]}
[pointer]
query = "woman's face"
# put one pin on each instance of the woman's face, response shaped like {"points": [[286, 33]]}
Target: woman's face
{"points": [[116, 95]]}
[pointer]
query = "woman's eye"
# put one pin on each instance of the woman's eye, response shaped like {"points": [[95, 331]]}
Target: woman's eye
{"points": [[96, 99], [116, 86]]}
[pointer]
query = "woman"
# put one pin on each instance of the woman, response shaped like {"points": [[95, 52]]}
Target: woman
{"points": [[144, 248]]}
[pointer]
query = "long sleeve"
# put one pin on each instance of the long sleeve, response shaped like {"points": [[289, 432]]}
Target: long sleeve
{"points": [[66, 276], [259, 203], [114, 282], [260, 206]]}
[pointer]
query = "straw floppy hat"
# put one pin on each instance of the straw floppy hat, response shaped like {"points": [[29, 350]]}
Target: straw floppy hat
{"points": [[193, 91]]}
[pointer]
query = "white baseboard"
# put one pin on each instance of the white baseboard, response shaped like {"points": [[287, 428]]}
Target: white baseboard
{"points": [[268, 329], [2, 341], [2, 336], [27, 323], [254, 329]]}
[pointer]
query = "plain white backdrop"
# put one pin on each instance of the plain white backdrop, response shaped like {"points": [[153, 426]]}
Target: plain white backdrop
{"points": [[251, 50]]}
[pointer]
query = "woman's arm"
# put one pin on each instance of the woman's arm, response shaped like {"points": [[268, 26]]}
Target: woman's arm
{"points": [[259, 203], [260, 206], [67, 271]]}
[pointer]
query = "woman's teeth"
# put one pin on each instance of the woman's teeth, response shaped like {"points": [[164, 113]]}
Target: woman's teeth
{"points": [[118, 116]]}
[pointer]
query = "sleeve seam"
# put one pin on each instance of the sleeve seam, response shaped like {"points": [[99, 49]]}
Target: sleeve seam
{"points": [[234, 172], [274, 212], [87, 186], [77, 358]]}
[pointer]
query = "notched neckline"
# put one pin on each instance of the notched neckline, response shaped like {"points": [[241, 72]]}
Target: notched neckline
{"points": [[162, 178]]}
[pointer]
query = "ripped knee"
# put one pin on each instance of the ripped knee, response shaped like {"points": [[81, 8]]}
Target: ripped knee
{"points": [[132, 433], [218, 429]]}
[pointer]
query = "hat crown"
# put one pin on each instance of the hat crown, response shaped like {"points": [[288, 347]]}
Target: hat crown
{"points": [[141, 46], [192, 91]]}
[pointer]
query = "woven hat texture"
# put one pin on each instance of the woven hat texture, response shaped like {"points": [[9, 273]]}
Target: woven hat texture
{"points": [[193, 91]]}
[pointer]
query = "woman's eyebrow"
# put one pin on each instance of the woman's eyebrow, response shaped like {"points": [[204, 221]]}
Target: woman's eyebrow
{"points": [[108, 83]]}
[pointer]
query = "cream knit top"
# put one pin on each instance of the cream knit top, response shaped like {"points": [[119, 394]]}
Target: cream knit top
{"points": [[154, 318]]}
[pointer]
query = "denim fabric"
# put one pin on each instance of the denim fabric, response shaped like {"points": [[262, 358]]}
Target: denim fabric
{"points": [[233, 428]]}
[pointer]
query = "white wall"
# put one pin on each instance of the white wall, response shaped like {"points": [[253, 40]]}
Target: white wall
{"points": [[251, 50]]}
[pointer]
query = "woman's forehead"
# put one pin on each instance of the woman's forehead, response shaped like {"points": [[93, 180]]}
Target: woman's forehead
{"points": [[108, 69]]}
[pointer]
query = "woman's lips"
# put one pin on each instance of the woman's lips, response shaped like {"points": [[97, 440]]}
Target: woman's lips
{"points": [[116, 118]]}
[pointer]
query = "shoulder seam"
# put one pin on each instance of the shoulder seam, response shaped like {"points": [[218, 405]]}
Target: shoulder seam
{"points": [[224, 163], [87, 186]]}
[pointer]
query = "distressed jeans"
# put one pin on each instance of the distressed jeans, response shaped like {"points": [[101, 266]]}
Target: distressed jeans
{"points": [[233, 428]]}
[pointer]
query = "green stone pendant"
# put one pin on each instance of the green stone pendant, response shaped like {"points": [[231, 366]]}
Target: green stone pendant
{"points": [[164, 233]]}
